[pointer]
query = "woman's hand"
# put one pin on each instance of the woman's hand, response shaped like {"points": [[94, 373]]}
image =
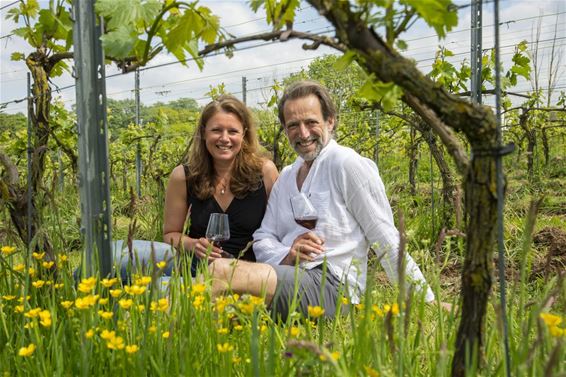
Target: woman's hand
{"points": [[204, 249]]}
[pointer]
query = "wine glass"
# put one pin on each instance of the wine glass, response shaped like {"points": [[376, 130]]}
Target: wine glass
{"points": [[303, 211], [218, 230]]}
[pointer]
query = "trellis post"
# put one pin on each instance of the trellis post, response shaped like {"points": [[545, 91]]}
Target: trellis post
{"points": [[93, 147]]}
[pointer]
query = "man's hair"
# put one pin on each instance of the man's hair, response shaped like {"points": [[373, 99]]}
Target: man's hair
{"points": [[305, 88]]}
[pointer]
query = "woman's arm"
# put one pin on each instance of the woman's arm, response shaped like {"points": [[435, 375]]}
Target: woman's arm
{"points": [[175, 216], [270, 174]]}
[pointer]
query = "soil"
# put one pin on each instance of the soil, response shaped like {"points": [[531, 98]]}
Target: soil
{"points": [[554, 262]]}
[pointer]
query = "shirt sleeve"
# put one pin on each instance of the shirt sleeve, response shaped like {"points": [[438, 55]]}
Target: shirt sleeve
{"points": [[267, 242], [366, 199]]}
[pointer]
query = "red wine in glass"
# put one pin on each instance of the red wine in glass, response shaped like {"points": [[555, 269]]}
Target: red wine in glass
{"points": [[303, 211], [309, 223]]}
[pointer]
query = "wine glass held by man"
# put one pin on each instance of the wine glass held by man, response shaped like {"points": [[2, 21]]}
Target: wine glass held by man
{"points": [[223, 173]]}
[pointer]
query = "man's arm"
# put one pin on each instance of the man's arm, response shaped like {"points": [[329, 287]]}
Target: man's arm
{"points": [[366, 199], [267, 245]]}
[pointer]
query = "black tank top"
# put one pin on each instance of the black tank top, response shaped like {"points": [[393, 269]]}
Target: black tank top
{"points": [[244, 216]]}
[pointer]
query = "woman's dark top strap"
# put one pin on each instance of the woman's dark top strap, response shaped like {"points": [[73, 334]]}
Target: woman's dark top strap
{"points": [[244, 216]]}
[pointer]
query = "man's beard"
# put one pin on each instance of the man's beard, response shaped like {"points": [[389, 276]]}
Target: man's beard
{"points": [[310, 156]]}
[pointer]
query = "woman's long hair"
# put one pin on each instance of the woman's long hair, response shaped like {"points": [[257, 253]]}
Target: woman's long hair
{"points": [[247, 168]]}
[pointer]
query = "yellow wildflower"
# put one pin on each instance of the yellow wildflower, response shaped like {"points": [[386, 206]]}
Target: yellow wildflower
{"points": [[86, 302], [556, 331], [87, 285], [38, 283], [107, 335], [236, 359], [126, 303], [247, 308], [345, 301], [32, 313], [377, 310], [105, 315], [27, 351], [115, 293], [238, 327], [161, 265], [89, 334], [360, 306], [19, 267], [197, 289], [165, 335], [103, 301], [161, 305], [30, 325], [141, 308], [19, 309], [371, 372], [550, 319], [222, 331], [38, 256], [221, 303], [7, 250], [132, 349], [63, 258], [152, 329], [45, 318], [67, 304], [58, 285], [115, 343], [256, 300], [294, 331], [134, 290], [31, 272], [226, 347], [334, 355], [144, 280], [197, 302], [315, 311], [107, 283], [8, 297], [47, 264]]}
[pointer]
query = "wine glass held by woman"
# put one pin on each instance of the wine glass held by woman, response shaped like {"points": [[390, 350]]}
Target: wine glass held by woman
{"points": [[224, 173]]}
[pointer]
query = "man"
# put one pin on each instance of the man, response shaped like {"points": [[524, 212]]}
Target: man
{"points": [[353, 214]]}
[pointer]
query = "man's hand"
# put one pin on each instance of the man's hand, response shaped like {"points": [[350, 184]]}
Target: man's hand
{"points": [[305, 247]]}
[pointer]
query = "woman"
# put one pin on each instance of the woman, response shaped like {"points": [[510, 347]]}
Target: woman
{"points": [[224, 174]]}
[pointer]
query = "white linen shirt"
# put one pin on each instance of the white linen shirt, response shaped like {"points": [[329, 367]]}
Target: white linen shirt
{"points": [[353, 213]]}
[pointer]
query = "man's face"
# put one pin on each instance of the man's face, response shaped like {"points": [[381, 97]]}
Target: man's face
{"points": [[305, 126]]}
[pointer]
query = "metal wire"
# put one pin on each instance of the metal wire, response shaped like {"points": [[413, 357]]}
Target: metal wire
{"points": [[500, 197]]}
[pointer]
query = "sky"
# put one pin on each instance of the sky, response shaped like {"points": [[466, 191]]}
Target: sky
{"points": [[273, 61]]}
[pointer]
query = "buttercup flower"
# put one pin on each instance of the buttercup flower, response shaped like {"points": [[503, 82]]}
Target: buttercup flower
{"points": [[7, 250], [47, 264], [103, 301], [89, 334], [107, 283], [87, 285], [134, 290], [315, 311], [38, 283], [126, 303], [105, 315], [226, 347], [198, 289], [115, 293], [161, 265], [144, 280], [161, 305], [132, 349], [550, 319], [27, 351], [32, 313], [38, 256], [8, 297], [45, 318], [67, 304], [116, 343], [86, 302], [19, 267], [107, 335], [165, 335], [294, 331]]}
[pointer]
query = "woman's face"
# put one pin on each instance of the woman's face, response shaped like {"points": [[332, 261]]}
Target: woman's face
{"points": [[223, 135]]}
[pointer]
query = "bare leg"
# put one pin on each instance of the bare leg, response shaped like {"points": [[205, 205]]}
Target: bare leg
{"points": [[241, 277]]}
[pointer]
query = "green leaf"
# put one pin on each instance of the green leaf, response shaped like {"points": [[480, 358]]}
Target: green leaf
{"points": [[344, 61], [402, 45], [119, 43], [439, 14], [386, 93], [17, 56]]}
